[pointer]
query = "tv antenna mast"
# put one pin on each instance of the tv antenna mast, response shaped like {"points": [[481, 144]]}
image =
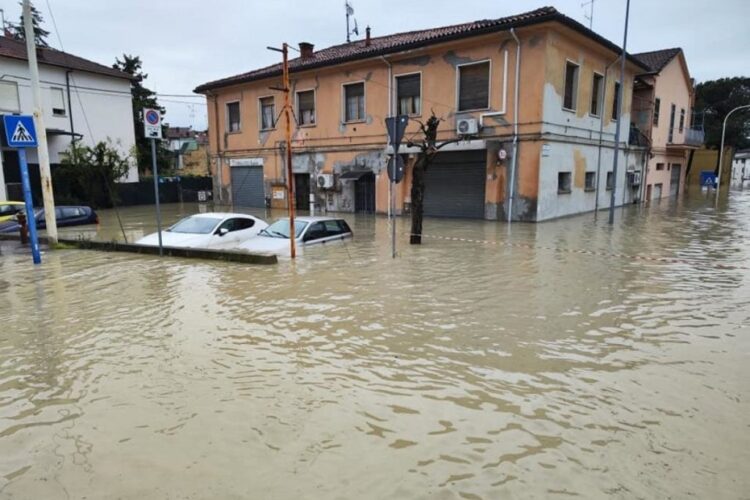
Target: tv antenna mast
{"points": [[350, 13], [590, 16]]}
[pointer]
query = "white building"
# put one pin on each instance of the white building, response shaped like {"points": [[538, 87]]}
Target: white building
{"points": [[741, 169], [80, 98]]}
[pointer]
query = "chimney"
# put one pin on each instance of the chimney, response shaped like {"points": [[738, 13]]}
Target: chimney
{"points": [[306, 50], [367, 37]]}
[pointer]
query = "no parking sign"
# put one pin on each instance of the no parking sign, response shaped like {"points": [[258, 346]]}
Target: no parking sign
{"points": [[152, 123]]}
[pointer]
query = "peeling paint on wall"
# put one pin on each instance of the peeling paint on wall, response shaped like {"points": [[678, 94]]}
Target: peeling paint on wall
{"points": [[579, 176], [414, 61], [452, 58], [535, 40], [263, 137], [312, 163]]}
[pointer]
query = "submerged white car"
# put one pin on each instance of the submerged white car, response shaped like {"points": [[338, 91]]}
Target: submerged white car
{"points": [[217, 230], [307, 230]]}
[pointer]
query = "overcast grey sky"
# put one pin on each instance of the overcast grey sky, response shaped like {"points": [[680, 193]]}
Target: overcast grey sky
{"points": [[187, 42]]}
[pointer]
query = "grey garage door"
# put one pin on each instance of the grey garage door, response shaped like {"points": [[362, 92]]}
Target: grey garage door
{"points": [[454, 185], [674, 182], [247, 187]]}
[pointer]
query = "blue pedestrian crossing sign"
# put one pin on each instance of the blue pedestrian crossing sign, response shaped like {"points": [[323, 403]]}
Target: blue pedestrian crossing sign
{"points": [[20, 131]]}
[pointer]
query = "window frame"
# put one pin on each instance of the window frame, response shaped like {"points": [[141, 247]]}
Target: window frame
{"points": [[299, 112], [592, 187], [570, 182], [65, 105], [600, 100], [609, 181], [612, 116], [395, 104], [657, 111], [227, 120], [260, 113], [343, 101], [682, 120], [672, 117], [489, 86], [574, 109]]}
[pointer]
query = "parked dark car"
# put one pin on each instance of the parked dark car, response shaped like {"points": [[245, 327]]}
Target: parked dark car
{"points": [[66, 216]]}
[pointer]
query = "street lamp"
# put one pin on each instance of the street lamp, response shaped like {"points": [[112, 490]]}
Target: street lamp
{"points": [[721, 151]]}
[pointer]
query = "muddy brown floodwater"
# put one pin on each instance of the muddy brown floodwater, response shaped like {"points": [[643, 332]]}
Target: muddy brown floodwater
{"points": [[551, 360]]}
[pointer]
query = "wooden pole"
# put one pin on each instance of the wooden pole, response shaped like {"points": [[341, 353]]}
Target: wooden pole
{"points": [[289, 174]]}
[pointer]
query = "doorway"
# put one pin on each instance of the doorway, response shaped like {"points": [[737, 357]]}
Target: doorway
{"points": [[364, 193], [657, 192], [302, 191]]}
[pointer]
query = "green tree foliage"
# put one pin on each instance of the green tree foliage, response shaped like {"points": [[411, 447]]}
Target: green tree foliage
{"points": [[143, 98], [716, 98], [89, 175], [40, 34]]}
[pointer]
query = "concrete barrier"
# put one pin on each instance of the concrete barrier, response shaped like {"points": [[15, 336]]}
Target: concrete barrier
{"points": [[188, 253]]}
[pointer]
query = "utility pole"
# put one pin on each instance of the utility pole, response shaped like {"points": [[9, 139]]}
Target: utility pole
{"points": [[721, 150], [289, 174], [619, 95], [42, 151]]}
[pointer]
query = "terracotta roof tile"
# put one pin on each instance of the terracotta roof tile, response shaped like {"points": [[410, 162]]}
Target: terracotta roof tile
{"points": [[16, 49], [657, 59], [404, 41]]}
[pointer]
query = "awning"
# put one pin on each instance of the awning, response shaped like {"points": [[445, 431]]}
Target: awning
{"points": [[57, 131], [354, 175]]}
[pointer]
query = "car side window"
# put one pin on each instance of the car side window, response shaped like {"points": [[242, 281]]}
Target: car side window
{"points": [[241, 224], [333, 228], [344, 226], [316, 231], [227, 224], [68, 213]]}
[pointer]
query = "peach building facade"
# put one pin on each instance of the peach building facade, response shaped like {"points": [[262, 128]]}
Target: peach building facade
{"points": [[529, 100]]}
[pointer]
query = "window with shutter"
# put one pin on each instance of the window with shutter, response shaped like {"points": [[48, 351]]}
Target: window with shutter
{"points": [[306, 107], [9, 97], [474, 86], [58, 102], [233, 117], [570, 99], [354, 102], [408, 94]]}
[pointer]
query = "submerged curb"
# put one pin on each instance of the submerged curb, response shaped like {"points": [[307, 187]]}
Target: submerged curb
{"points": [[189, 253]]}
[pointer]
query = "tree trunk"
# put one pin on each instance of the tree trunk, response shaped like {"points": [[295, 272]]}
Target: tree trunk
{"points": [[417, 199]]}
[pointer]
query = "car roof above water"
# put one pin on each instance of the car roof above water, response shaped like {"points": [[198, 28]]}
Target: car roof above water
{"points": [[310, 218], [222, 215]]}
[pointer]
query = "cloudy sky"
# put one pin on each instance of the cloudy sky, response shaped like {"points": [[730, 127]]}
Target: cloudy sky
{"points": [[187, 42]]}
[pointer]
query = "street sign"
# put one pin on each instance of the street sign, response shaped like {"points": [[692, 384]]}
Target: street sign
{"points": [[396, 126], [20, 131], [396, 172], [152, 123]]}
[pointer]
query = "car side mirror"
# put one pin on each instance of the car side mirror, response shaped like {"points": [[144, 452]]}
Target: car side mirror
{"points": [[223, 231]]}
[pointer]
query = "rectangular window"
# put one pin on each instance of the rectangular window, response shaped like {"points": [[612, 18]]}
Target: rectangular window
{"points": [[615, 102], [563, 182], [306, 107], [267, 113], [682, 119], [233, 116], [659, 166], [596, 94], [657, 106], [571, 86], [408, 94], [354, 102], [9, 97], [590, 181], [474, 86], [672, 111], [58, 102], [610, 181]]}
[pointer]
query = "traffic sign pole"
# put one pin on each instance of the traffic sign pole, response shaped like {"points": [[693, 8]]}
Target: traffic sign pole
{"points": [[30, 218], [155, 170], [393, 166]]}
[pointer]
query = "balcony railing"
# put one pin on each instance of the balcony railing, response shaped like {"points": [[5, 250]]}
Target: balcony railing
{"points": [[694, 137]]}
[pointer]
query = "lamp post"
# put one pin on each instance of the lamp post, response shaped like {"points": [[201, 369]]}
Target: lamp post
{"points": [[721, 150], [619, 96]]}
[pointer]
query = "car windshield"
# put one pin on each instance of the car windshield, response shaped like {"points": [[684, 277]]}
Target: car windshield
{"points": [[195, 225], [280, 229]]}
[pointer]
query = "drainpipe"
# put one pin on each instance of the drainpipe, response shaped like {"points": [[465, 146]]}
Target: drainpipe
{"points": [[218, 145], [70, 107], [601, 132], [390, 113], [515, 124]]}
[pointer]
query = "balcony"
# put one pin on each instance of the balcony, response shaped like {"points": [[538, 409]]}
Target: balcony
{"points": [[691, 138]]}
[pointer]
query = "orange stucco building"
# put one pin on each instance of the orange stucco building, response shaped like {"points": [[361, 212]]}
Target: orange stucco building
{"points": [[531, 98], [662, 110]]}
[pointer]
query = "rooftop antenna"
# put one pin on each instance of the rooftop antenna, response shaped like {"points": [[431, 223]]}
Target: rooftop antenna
{"points": [[590, 17], [350, 13]]}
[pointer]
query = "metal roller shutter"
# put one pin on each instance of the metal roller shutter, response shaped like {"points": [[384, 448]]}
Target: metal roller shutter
{"points": [[454, 185], [247, 187]]}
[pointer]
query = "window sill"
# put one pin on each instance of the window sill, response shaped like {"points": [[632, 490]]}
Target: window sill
{"points": [[234, 132], [59, 115], [353, 122], [307, 125], [609, 189], [589, 189], [474, 110], [592, 115], [563, 191], [570, 110], [267, 129]]}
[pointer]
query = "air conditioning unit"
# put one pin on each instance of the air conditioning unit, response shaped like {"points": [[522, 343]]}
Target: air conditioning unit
{"points": [[325, 181], [467, 126]]}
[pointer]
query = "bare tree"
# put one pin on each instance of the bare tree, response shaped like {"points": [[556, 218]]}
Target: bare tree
{"points": [[429, 147]]}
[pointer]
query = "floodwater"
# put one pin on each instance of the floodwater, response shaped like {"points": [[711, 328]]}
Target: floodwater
{"points": [[546, 361]]}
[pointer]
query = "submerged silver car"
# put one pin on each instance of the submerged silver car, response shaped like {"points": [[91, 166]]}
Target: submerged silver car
{"points": [[307, 231]]}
